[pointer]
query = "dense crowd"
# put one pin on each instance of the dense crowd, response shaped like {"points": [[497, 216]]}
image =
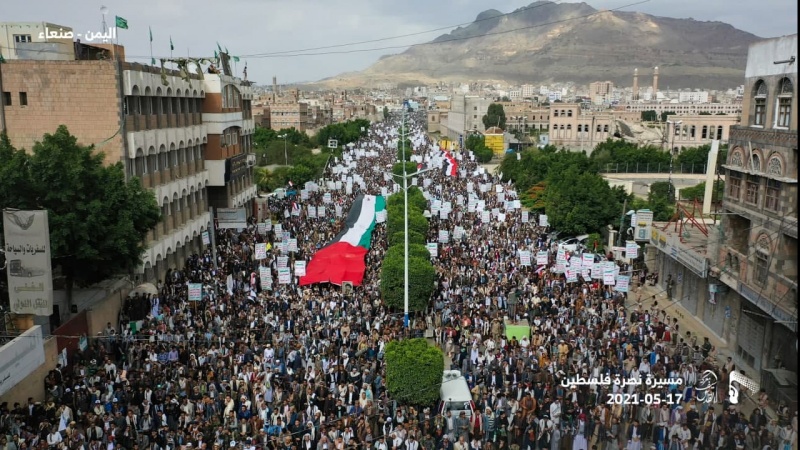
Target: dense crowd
{"points": [[257, 364]]}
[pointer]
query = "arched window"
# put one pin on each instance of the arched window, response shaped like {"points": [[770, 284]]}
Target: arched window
{"points": [[775, 167], [760, 103], [736, 158], [783, 117], [761, 270], [756, 163]]}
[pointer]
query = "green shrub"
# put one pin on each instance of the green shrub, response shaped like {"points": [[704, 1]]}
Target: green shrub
{"points": [[413, 238], [414, 371], [420, 270]]}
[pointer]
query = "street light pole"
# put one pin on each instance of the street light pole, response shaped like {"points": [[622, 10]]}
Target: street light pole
{"points": [[671, 153], [405, 223], [405, 177], [285, 154]]}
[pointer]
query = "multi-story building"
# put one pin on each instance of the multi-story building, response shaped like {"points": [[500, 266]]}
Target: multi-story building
{"points": [[288, 115], [466, 115], [740, 280], [159, 124], [757, 257], [694, 130], [228, 117], [573, 127], [528, 90], [156, 130], [37, 40], [693, 97], [683, 108], [601, 91]]}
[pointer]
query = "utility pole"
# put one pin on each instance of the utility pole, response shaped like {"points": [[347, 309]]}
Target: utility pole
{"points": [[622, 222], [212, 232]]}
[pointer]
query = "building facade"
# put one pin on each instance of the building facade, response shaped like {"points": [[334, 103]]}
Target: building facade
{"points": [[228, 117], [757, 260], [573, 127], [36, 40], [684, 108], [695, 130], [466, 115], [169, 129], [156, 131]]}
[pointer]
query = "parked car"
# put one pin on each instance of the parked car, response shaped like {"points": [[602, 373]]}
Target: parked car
{"points": [[571, 244]]}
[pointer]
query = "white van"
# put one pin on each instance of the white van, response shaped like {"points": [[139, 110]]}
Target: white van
{"points": [[455, 395]]}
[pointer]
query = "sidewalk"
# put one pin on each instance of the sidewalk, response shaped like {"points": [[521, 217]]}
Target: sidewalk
{"points": [[689, 322]]}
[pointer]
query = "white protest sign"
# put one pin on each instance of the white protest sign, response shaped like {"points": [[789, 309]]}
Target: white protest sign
{"points": [[261, 251], [299, 268]]}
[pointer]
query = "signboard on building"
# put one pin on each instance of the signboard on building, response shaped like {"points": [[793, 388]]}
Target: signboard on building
{"points": [[27, 251], [20, 357], [495, 142], [231, 218], [642, 224]]}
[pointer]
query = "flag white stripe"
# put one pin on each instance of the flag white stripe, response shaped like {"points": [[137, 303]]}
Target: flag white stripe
{"points": [[365, 218]]}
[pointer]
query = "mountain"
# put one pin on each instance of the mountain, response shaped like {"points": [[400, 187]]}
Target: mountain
{"points": [[546, 42]]}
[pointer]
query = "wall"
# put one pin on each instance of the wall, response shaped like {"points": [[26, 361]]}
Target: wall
{"points": [[106, 311], [68, 335], [34, 383], [83, 95]]}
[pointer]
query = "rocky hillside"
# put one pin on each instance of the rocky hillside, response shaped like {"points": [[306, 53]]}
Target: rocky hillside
{"points": [[545, 42]]}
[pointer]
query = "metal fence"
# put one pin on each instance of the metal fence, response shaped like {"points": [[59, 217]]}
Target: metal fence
{"points": [[654, 168]]}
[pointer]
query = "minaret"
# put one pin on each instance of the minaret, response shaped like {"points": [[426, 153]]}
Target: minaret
{"points": [[655, 83], [635, 84], [274, 89]]}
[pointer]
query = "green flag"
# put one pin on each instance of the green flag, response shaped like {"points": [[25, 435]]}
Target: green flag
{"points": [[235, 59], [171, 45], [226, 51], [219, 48], [151, 34], [216, 56], [2, 60], [121, 23]]}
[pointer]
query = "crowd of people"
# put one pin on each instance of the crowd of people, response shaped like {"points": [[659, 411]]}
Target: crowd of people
{"points": [[261, 364]]}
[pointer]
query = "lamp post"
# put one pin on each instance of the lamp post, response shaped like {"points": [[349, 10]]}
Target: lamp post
{"points": [[671, 152], [285, 154], [405, 218]]}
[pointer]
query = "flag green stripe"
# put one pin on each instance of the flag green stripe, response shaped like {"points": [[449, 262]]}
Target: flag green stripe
{"points": [[366, 239]]}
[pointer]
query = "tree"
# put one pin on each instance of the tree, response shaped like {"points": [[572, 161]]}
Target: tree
{"points": [[98, 221], [495, 117], [414, 371], [649, 116], [413, 238], [385, 112], [698, 191], [343, 132], [294, 136], [577, 202], [414, 250], [422, 275], [263, 136], [416, 221]]}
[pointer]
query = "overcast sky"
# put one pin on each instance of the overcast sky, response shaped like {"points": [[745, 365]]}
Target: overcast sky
{"points": [[252, 27]]}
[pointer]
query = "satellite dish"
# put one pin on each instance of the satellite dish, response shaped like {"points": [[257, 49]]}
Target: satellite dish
{"points": [[103, 10]]}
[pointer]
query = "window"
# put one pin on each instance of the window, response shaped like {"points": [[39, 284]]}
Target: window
{"points": [[784, 113], [569, 113], [761, 270], [605, 128], [759, 116], [23, 99], [775, 167], [719, 133], [772, 197], [735, 185], [693, 131], [598, 128], [555, 113], [22, 38], [6, 98], [751, 196], [704, 134]]}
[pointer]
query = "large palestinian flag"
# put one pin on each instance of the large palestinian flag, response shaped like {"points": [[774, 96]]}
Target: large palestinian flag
{"points": [[343, 258]]}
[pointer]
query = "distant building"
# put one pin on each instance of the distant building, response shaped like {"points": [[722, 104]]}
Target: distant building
{"points": [[466, 115], [42, 41], [693, 97], [683, 108], [601, 92]]}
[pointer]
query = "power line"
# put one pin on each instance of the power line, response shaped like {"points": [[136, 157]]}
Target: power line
{"points": [[299, 53], [525, 8]]}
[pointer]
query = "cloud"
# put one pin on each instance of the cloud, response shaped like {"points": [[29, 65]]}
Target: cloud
{"points": [[252, 28]]}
